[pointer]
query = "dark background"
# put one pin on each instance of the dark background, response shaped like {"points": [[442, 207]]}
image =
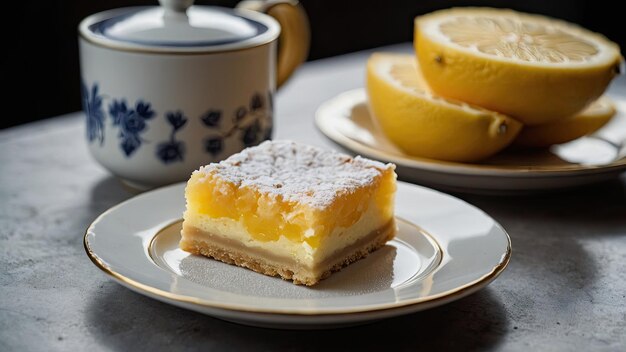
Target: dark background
{"points": [[40, 60]]}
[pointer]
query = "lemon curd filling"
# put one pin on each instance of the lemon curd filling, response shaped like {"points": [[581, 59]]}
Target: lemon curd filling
{"points": [[298, 205], [267, 218]]}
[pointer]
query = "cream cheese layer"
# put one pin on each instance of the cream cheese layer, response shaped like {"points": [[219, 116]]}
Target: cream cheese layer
{"points": [[300, 251]]}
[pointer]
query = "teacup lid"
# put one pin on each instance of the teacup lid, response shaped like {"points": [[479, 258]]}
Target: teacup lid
{"points": [[176, 26]]}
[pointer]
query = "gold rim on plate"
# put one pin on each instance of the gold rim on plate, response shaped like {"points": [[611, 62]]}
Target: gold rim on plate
{"points": [[357, 96], [428, 302]]}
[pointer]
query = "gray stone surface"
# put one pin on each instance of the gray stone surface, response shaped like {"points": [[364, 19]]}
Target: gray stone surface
{"points": [[564, 289]]}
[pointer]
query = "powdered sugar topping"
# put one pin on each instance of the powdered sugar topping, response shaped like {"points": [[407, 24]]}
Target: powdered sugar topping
{"points": [[297, 172]]}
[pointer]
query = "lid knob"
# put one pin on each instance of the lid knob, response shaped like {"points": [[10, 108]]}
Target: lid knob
{"points": [[176, 5]]}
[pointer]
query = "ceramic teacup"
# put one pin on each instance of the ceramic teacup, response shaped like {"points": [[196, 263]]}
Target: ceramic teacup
{"points": [[167, 89]]}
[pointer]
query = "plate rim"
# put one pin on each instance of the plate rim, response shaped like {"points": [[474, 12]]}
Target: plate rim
{"points": [[427, 302], [448, 167]]}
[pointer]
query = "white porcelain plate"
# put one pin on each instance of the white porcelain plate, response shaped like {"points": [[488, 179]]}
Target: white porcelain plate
{"points": [[346, 120], [445, 249]]}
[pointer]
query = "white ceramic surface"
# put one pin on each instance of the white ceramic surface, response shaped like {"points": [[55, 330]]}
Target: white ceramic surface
{"points": [[445, 249], [178, 28], [166, 90], [195, 86], [346, 120]]}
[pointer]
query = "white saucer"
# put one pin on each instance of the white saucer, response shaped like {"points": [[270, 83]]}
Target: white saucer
{"points": [[456, 250], [346, 120]]}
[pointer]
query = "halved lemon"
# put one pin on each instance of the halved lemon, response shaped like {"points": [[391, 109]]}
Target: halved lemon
{"points": [[423, 124], [586, 122], [534, 68]]}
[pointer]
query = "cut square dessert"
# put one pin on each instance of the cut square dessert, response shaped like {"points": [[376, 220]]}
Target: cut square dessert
{"points": [[289, 210]]}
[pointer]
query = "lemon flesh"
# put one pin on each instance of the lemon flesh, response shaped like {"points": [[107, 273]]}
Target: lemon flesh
{"points": [[531, 67], [586, 122], [423, 124]]}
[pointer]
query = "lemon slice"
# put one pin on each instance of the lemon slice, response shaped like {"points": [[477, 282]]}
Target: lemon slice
{"points": [[586, 122], [531, 67], [423, 124]]}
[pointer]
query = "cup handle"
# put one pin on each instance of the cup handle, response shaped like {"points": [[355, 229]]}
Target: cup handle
{"points": [[295, 36]]}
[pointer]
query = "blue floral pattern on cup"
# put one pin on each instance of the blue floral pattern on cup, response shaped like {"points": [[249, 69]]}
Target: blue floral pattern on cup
{"points": [[250, 122], [131, 122], [92, 105], [212, 118], [173, 150]]}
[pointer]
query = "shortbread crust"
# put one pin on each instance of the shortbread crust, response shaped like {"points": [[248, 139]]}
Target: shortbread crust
{"points": [[264, 262]]}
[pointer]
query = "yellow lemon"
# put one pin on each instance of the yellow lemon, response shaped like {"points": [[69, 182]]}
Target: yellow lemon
{"points": [[586, 122], [531, 67], [423, 124]]}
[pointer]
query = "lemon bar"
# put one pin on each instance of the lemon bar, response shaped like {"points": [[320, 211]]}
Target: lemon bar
{"points": [[289, 210]]}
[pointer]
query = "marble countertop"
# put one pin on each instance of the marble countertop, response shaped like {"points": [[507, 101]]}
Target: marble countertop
{"points": [[565, 288]]}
